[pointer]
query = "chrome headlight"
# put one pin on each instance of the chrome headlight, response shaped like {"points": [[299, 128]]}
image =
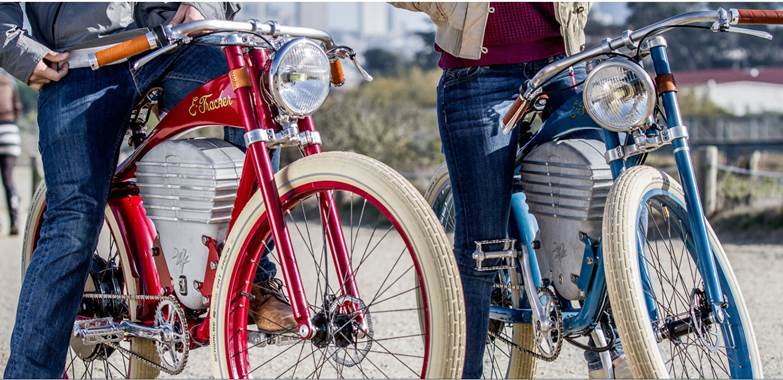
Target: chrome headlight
{"points": [[299, 77], [619, 95]]}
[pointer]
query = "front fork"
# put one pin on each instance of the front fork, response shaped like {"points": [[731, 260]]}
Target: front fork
{"points": [[706, 259], [258, 157]]}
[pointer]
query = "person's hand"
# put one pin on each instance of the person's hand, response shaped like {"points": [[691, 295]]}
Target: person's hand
{"points": [[186, 13], [51, 68]]}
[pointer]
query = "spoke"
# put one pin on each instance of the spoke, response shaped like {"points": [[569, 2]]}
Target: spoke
{"points": [[386, 278], [398, 354], [298, 361], [376, 367], [395, 357], [391, 338], [394, 296], [365, 255], [272, 358], [382, 238], [396, 310], [359, 224]]}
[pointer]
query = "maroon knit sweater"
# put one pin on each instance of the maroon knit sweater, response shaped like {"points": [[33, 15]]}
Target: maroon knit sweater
{"points": [[516, 32]]}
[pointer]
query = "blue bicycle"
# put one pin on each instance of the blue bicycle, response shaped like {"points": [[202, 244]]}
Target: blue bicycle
{"points": [[600, 242]]}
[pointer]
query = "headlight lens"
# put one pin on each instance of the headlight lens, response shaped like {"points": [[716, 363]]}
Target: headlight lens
{"points": [[619, 95], [299, 77]]}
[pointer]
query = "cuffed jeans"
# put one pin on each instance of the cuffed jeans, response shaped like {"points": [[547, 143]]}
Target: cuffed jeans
{"points": [[83, 119], [480, 158]]}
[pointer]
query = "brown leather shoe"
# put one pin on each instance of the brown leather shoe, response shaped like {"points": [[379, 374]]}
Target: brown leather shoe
{"points": [[269, 308]]}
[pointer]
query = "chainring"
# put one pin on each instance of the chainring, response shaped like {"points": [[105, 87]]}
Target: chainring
{"points": [[555, 333], [152, 362]]}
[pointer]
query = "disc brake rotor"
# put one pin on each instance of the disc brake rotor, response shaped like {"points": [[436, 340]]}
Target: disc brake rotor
{"points": [[344, 331]]}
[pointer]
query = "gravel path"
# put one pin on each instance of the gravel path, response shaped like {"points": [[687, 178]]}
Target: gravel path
{"points": [[758, 269]]}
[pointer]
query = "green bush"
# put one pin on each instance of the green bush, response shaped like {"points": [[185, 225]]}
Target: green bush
{"points": [[390, 119]]}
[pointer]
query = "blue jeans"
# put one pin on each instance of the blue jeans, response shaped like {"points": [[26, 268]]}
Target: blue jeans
{"points": [[83, 119], [480, 158]]}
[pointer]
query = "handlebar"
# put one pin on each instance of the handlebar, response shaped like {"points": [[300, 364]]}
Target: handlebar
{"points": [[721, 20], [338, 75], [271, 29], [124, 50], [759, 17], [184, 32]]}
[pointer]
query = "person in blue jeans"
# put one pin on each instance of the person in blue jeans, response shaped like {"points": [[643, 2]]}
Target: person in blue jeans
{"points": [[82, 117], [489, 50]]}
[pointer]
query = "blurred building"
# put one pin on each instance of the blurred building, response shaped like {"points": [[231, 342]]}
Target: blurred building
{"points": [[740, 92], [359, 25]]}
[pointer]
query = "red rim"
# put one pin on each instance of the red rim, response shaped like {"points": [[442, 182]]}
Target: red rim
{"points": [[242, 274]]}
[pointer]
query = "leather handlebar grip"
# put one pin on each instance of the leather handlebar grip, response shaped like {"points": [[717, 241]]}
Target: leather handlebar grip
{"points": [[129, 48], [338, 75], [514, 110], [760, 16]]}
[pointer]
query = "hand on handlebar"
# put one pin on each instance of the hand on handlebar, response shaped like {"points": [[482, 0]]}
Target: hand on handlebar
{"points": [[49, 70], [186, 13]]}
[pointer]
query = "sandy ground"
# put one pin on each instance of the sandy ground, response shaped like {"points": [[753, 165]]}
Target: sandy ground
{"points": [[758, 269]]}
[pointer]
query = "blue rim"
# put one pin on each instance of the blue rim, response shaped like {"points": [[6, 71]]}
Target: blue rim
{"points": [[738, 355]]}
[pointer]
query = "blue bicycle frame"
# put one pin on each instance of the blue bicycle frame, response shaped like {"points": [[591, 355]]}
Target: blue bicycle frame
{"points": [[571, 121]]}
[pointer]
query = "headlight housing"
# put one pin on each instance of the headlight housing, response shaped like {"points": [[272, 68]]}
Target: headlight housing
{"points": [[619, 95], [299, 77]]}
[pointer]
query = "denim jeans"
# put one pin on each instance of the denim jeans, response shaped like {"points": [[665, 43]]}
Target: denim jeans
{"points": [[83, 119], [480, 158]]}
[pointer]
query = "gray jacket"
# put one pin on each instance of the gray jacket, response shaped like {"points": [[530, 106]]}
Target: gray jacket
{"points": [[62, 26]]}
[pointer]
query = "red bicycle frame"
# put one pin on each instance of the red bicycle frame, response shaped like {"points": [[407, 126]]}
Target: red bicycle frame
{"points": [[234, 99]]}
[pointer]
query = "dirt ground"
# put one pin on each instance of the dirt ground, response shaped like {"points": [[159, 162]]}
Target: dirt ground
{"points": [[757, 266]]}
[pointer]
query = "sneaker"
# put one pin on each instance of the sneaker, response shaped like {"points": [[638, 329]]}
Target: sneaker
{"points": [[269, 308], [13, 230], [622, 370]]}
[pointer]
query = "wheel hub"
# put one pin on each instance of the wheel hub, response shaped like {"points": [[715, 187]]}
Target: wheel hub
{"points": [[339, 332]]}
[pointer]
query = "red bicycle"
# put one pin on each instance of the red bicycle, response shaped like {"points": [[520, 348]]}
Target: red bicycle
{"points": [[365, 264]]}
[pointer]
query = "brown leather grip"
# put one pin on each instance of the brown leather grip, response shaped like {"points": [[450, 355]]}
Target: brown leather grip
{"points": [[338, 75], [513, 110], [760, 16], [129, 48]]}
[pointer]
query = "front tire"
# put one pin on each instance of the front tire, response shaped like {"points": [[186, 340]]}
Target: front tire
{"points": [[644, 208], [349, 176]]}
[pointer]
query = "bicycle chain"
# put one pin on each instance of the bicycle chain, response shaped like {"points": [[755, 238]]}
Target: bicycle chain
{"points": [[165, 369], [536, 354]]}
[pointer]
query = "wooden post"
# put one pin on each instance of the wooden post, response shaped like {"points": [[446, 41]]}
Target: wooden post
{"points": [[706, 158], [754, 163]]}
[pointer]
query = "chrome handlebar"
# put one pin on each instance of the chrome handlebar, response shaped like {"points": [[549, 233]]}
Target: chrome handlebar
{"points": [[629, 39], [184, 33], [721, 19], [194, 28]]}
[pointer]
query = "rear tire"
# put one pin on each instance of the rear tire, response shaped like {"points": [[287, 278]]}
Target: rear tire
{"points": [[134, 368], [518, 364]]}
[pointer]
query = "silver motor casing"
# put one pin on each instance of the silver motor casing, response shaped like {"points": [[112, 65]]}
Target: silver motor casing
{"points": [[189, 187], [566, 184]]}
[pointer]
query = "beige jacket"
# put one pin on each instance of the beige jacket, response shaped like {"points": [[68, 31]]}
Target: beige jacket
{"points": [[461, 25]]}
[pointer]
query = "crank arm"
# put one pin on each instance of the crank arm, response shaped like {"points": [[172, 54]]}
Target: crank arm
{"points": [[532, 291]]}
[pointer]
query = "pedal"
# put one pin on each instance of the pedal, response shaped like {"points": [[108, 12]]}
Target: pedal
{"points": [[98, 330], [501, 251]]}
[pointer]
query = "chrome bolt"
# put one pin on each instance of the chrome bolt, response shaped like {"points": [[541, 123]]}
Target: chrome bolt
{"points": [[304, 331]]}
